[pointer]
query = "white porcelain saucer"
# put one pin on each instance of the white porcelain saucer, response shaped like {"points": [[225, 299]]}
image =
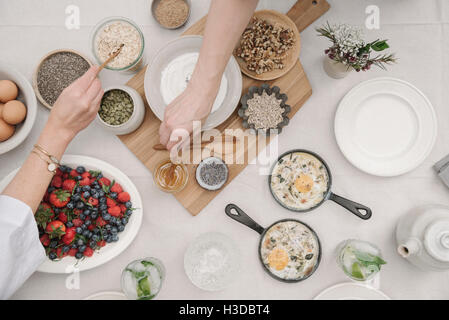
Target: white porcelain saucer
{"points": [[351, 291], [385, 126]]}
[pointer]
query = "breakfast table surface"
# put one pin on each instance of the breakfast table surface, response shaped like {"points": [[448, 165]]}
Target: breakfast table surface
{"points": [[417, 30]]}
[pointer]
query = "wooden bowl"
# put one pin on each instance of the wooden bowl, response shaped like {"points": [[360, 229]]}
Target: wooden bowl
{"points": [[35, 87], [274, 17]]}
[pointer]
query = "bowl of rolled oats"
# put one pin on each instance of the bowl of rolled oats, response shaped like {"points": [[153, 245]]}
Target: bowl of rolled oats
{"points": [[269, 47], [264, 110], [107, 37]]}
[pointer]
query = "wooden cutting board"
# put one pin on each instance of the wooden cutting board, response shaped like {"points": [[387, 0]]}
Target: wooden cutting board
{"points": [[295, 84]]}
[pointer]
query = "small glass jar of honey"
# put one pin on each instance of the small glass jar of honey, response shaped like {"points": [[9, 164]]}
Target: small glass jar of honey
{"points": [[170, 179]]}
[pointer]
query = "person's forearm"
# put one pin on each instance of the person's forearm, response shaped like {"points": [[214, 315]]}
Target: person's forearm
{"points": [[33, 177], [225, 24]]}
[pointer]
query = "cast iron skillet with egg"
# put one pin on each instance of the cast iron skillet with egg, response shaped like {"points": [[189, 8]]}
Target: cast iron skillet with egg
{"points": [[307, 179], [286, 256]]}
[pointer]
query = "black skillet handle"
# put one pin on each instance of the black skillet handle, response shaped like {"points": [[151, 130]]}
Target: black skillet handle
{"points": [[239, 215], [358, 209]]}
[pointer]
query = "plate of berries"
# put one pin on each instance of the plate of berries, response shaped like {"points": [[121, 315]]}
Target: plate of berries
{"points": [[90, 213]]}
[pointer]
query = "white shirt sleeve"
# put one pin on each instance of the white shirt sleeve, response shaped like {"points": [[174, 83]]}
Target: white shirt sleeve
{"points": [[21, 251]]}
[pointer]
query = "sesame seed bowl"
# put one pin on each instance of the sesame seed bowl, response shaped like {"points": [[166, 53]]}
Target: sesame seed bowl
{"points": [[264, 110]]}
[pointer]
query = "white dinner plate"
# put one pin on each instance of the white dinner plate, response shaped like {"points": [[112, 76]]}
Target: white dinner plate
{"points": [[111, 250], [107, 295], [212, 261], [385, 126], [174, 49], [351, 291]]}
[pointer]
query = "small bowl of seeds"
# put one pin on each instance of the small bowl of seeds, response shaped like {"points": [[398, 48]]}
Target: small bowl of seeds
{"points": [[121, 110], [264, 110], [212, 173], [170, 14]]}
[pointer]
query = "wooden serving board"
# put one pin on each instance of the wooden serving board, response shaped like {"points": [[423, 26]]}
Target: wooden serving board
{"points": [[294, 83]]}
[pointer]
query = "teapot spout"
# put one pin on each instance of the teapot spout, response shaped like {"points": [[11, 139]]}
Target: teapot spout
{"points": [[409, 248]]}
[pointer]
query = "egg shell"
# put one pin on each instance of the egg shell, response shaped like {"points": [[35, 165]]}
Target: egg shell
{"points": [[6, 130], [14, 112], [1, 109], [8, 91]]}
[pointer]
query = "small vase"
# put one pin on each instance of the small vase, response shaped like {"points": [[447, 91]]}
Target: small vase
{"points": [[334, 69]]}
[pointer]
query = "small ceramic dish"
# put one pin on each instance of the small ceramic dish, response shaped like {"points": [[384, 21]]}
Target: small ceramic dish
{"points": [[201, 182], [258, 91], [26, 95], [154, 4], [136, 117], [36, 89]]}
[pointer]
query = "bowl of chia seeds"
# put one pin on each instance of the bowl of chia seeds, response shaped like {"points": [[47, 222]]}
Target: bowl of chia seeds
{"points": [[264, 110], [55, 72], [121, 110], [212, 173]]}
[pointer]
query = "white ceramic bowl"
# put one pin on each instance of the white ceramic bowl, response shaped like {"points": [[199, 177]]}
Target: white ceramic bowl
{"points": [[111, 250], [175, 48], [26, 95], [136, 118]]}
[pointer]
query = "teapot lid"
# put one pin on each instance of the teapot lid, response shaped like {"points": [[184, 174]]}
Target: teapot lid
{"points": [[436, 240]]}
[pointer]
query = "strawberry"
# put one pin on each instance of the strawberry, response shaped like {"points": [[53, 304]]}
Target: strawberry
{"points": [[104, 181], [69, 236], [110, 202], [59, 198], [77, 222], [93, 201], [86, 175], [58, 172], [101, 243], [116, 188], [91, 227], [60, 254], [44, 214], [85, 182], [88, 252], [77, 212], [74, 174], [55, 229], [100, 222], [122, 208], [56, 182], [114, 211], [65, 176], [68, 185], [45, 240], [123, 197], [72, 252]]}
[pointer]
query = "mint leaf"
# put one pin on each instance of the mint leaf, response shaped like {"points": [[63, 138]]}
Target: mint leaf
{"points": [[380, 45]]}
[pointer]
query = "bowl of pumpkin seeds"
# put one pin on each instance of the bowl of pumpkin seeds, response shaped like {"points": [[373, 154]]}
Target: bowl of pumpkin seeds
{"points": [[121, 110]]}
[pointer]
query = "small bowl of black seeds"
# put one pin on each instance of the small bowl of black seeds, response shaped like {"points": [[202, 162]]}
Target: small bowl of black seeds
{"points": [[212, 173], [121, 110], [55, 72]]}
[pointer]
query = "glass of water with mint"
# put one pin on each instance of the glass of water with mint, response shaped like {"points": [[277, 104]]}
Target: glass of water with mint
{"points": [[142, 279], [359, 260]]}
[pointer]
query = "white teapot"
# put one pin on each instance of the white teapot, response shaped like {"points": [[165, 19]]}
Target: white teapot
{"points": [[423, 237]]}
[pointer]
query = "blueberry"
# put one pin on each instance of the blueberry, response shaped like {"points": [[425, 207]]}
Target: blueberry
{"points": [[79, 255], [106, 216], [50, 189], [65, 249], [79, 205], [108, 227], [86, 233], [57, 210], [82, 216], [83, 226], [128, 213], [124, 221], [78, 178], [76, 197], [86, 188], [87, 222], [96, 230], [108, 239], [128, 204], [80, 242], [70, 205], [95, 237], [74, 246], [94, 215], [115, 238], [121, 228], [80, 169], [82, 248], [52, 255], [86, 194], [101, 194], [95, 195], [53, 244], [64, 168], [69, 224], [113, 195], [103, 206], [87, 212], [100, 175], [114, 230], [92, 244], [113, 220], [78, 189]]}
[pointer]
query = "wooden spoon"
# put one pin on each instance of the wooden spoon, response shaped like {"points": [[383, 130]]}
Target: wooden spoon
{"points": [[161, 147], [111, 56]]}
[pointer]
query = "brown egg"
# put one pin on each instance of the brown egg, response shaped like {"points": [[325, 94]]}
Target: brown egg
{"points": [[14, 112], [6, 130], [8, 90], [1, 110]]}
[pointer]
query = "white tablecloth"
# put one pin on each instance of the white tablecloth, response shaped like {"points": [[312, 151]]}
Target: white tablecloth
{"points": [[417, 31]]}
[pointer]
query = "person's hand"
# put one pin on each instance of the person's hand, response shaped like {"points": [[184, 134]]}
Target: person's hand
{"points": [[194, 104], [77, 105]]}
